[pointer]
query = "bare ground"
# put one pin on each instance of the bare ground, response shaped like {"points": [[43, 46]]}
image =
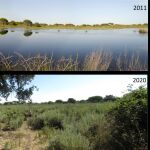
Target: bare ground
{"points": [[21, 139]]}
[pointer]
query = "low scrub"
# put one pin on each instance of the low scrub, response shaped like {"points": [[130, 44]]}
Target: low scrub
{"points": [[55, 123], [36, 123]]}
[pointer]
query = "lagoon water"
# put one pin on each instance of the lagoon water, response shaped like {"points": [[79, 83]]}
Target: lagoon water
{"points": [[72, 42]]}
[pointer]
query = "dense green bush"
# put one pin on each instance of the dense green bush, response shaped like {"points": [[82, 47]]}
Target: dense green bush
{"points": [[95, 99], [27, 22], [3, 21], [129, 121], [71, 100], [36, 123], [13, 124], [55, 123], [68, 140], [109, 98], [56, 145]]}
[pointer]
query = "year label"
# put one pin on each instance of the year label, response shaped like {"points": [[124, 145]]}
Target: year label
{"points": [[140, 7], [139, 80]]}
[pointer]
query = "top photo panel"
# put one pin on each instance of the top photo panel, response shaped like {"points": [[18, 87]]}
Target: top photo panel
{"points": [[74, 35]]}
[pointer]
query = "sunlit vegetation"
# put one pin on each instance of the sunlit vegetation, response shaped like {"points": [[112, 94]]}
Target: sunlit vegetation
{"points": [[30, 25], [95, 61], [119, 123], [143, 31]]}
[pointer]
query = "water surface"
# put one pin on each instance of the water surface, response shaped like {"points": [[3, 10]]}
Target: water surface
{"points": [[72, 42]]}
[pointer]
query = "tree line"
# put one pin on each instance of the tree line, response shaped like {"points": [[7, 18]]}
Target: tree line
{"points": [[27, 22], [19, 85]]}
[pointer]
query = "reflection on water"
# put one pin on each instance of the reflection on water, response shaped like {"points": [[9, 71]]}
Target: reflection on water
{"points": [[27, 33], [3, 32], [122, 44]]}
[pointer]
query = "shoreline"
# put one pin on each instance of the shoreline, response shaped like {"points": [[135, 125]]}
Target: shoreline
{"points": [[76, 27]]}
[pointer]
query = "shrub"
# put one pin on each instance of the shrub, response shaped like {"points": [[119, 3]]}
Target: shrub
{"points": [[143, 31], [129, 121], [71, 100], [68, 140], [3, 21], [27, 22], [13, 124], [109, 98], [56, 145], [55, 123], [95, 99], [58, 101], [36, 123], [37, 25]]}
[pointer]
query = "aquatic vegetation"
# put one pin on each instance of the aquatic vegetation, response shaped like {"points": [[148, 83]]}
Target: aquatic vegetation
{"points": [[95, 61], [143, 31]]}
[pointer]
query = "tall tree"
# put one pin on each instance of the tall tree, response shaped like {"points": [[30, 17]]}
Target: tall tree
{"points": [[27, 22], [18, 84], [3, 21]]}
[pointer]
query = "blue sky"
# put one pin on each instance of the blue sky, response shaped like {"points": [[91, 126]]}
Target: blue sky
{"points": [[74, 11], [53, 87]]}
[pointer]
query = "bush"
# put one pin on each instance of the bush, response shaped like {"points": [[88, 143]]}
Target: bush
{"points": [[56, 145], [13, 124], [3, 21], [68, 140], [36, 123], [129, 121], [27, 22], [71, 100], [55, 123], [109, 98], [95, 99]]}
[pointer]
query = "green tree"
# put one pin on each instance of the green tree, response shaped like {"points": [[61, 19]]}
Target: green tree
{"points": [[129, 121], [3, 21], [58, 101], [71, 100], [37, 24], [13, 23], [27, 22], [109, 98], [95, 99], [18, 84]]}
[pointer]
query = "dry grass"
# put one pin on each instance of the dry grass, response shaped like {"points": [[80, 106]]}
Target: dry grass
{"points": [[95, 61]]}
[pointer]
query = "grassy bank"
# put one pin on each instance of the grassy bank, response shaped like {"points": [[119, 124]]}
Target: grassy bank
{"points": [[77, 27]]}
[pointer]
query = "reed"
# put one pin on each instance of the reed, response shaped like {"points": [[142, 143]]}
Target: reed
{"points": [[95, 61]]}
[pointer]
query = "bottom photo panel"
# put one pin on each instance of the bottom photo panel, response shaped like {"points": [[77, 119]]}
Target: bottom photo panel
{"points": [[73, 112]]}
